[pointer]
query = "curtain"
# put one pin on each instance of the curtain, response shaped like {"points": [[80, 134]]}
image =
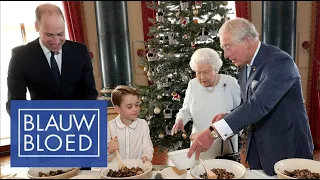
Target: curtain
{"points": [[146, 13], [313, 99], [243, 9], [74, 15]]}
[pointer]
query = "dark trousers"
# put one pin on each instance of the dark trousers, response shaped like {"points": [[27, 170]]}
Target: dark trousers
{"points": [[253, 156]]}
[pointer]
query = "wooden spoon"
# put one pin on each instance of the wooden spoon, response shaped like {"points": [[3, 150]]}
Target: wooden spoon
{"points": [[210, 174], [120, 162]]}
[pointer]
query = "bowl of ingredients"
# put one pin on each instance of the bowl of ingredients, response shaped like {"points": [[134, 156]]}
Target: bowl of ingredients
{"points": [[52, 173], [223, 168], [297, 168], [134, 169]]}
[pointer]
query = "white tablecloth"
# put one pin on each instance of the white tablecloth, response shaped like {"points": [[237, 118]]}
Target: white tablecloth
{"points": [[21, 173]]}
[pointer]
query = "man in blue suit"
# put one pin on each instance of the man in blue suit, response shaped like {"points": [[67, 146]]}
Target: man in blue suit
{"points": [[272, 102]]}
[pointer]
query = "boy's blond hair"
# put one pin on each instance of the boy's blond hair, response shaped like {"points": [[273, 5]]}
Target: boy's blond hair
{"points": [[120, 91]]}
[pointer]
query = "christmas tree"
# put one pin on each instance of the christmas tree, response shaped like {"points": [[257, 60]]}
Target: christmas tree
{"points": [[180, 28]]}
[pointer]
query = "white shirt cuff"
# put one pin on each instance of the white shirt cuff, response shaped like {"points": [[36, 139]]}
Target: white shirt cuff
{"points": [[223, 129]]}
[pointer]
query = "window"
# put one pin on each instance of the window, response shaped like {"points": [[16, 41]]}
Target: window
{"points": [[232, 13], [12, 14]]}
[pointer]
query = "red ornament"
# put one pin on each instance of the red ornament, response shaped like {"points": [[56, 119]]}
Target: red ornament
{"points": [[305, 45], [183, 21], [175, 96], [140, 52], [198, 3], [91, 55]]}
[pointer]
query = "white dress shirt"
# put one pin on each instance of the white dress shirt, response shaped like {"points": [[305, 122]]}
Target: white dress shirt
{"points": [[134, 140], [222, 126], [57, 56]]}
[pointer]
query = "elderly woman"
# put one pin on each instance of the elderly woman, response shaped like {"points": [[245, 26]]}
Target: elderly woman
{"points": [[208, 95]]}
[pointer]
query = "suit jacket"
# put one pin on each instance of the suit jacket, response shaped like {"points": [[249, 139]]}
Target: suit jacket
{"points": [[29, 68], [273, 107]]}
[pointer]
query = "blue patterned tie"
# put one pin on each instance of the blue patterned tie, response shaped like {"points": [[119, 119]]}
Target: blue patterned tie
{"points": [[55, 68], [248, 70]]}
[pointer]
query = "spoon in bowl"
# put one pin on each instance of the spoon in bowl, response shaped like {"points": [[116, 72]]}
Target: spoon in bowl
{"points": [[210, 174], [120, 162]]}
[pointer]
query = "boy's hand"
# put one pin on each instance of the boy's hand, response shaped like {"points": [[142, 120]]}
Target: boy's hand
{"points": [[144, 159], [113, 145]]}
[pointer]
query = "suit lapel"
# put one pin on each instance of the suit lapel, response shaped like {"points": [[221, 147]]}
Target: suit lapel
{"points": [[41, 58], [65, 65], [43, 64], [256, 67]]}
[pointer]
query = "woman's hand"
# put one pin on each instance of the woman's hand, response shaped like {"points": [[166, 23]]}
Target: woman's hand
{"points": [[177, 127]]}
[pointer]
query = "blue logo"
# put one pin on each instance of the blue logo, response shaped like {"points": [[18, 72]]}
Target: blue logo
{"points": [[59, 133]]}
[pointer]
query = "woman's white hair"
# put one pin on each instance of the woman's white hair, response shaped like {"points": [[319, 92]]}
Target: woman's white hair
{"points": [[206, 56]]}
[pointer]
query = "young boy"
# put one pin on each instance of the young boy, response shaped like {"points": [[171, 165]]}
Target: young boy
{"points": [[129, 134]]}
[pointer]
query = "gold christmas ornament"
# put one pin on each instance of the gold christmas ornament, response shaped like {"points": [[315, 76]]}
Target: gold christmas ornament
{"points": [[171, 54], [159, 97], [157, 110], [145, 69], [161, 135], [184, 135], [224, 3], [178, 14], [195, 12]]}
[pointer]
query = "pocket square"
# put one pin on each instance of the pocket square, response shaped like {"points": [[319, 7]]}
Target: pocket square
{"points": [[254, 84]]}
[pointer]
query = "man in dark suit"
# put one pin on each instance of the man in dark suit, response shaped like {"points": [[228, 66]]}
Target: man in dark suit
{"points": [[51, 67], [272, 101]]}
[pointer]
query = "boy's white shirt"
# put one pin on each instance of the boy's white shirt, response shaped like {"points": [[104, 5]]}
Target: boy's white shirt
{"points": [[134, 140]]}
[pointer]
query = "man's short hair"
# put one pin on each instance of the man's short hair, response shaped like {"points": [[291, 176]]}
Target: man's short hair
{"points": [[239, 28], [47, 8]]}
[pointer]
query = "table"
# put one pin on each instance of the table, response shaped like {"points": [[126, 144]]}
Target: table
{"points": [[94, 174]]}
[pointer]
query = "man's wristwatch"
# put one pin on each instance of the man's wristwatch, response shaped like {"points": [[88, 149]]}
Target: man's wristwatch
{"points": [[213, 133]]}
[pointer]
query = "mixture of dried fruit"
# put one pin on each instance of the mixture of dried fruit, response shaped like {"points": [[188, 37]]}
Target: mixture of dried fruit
{"points": [[54, 173], [302, 174], [221, 173], [125, 172]]}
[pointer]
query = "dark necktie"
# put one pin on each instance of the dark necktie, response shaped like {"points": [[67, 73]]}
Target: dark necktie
{"points": [[55, 68]]}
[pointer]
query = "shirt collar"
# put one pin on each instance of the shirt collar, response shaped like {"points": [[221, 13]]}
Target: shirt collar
{"points": [[255, 54], [121, 125], [45, 49]]}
